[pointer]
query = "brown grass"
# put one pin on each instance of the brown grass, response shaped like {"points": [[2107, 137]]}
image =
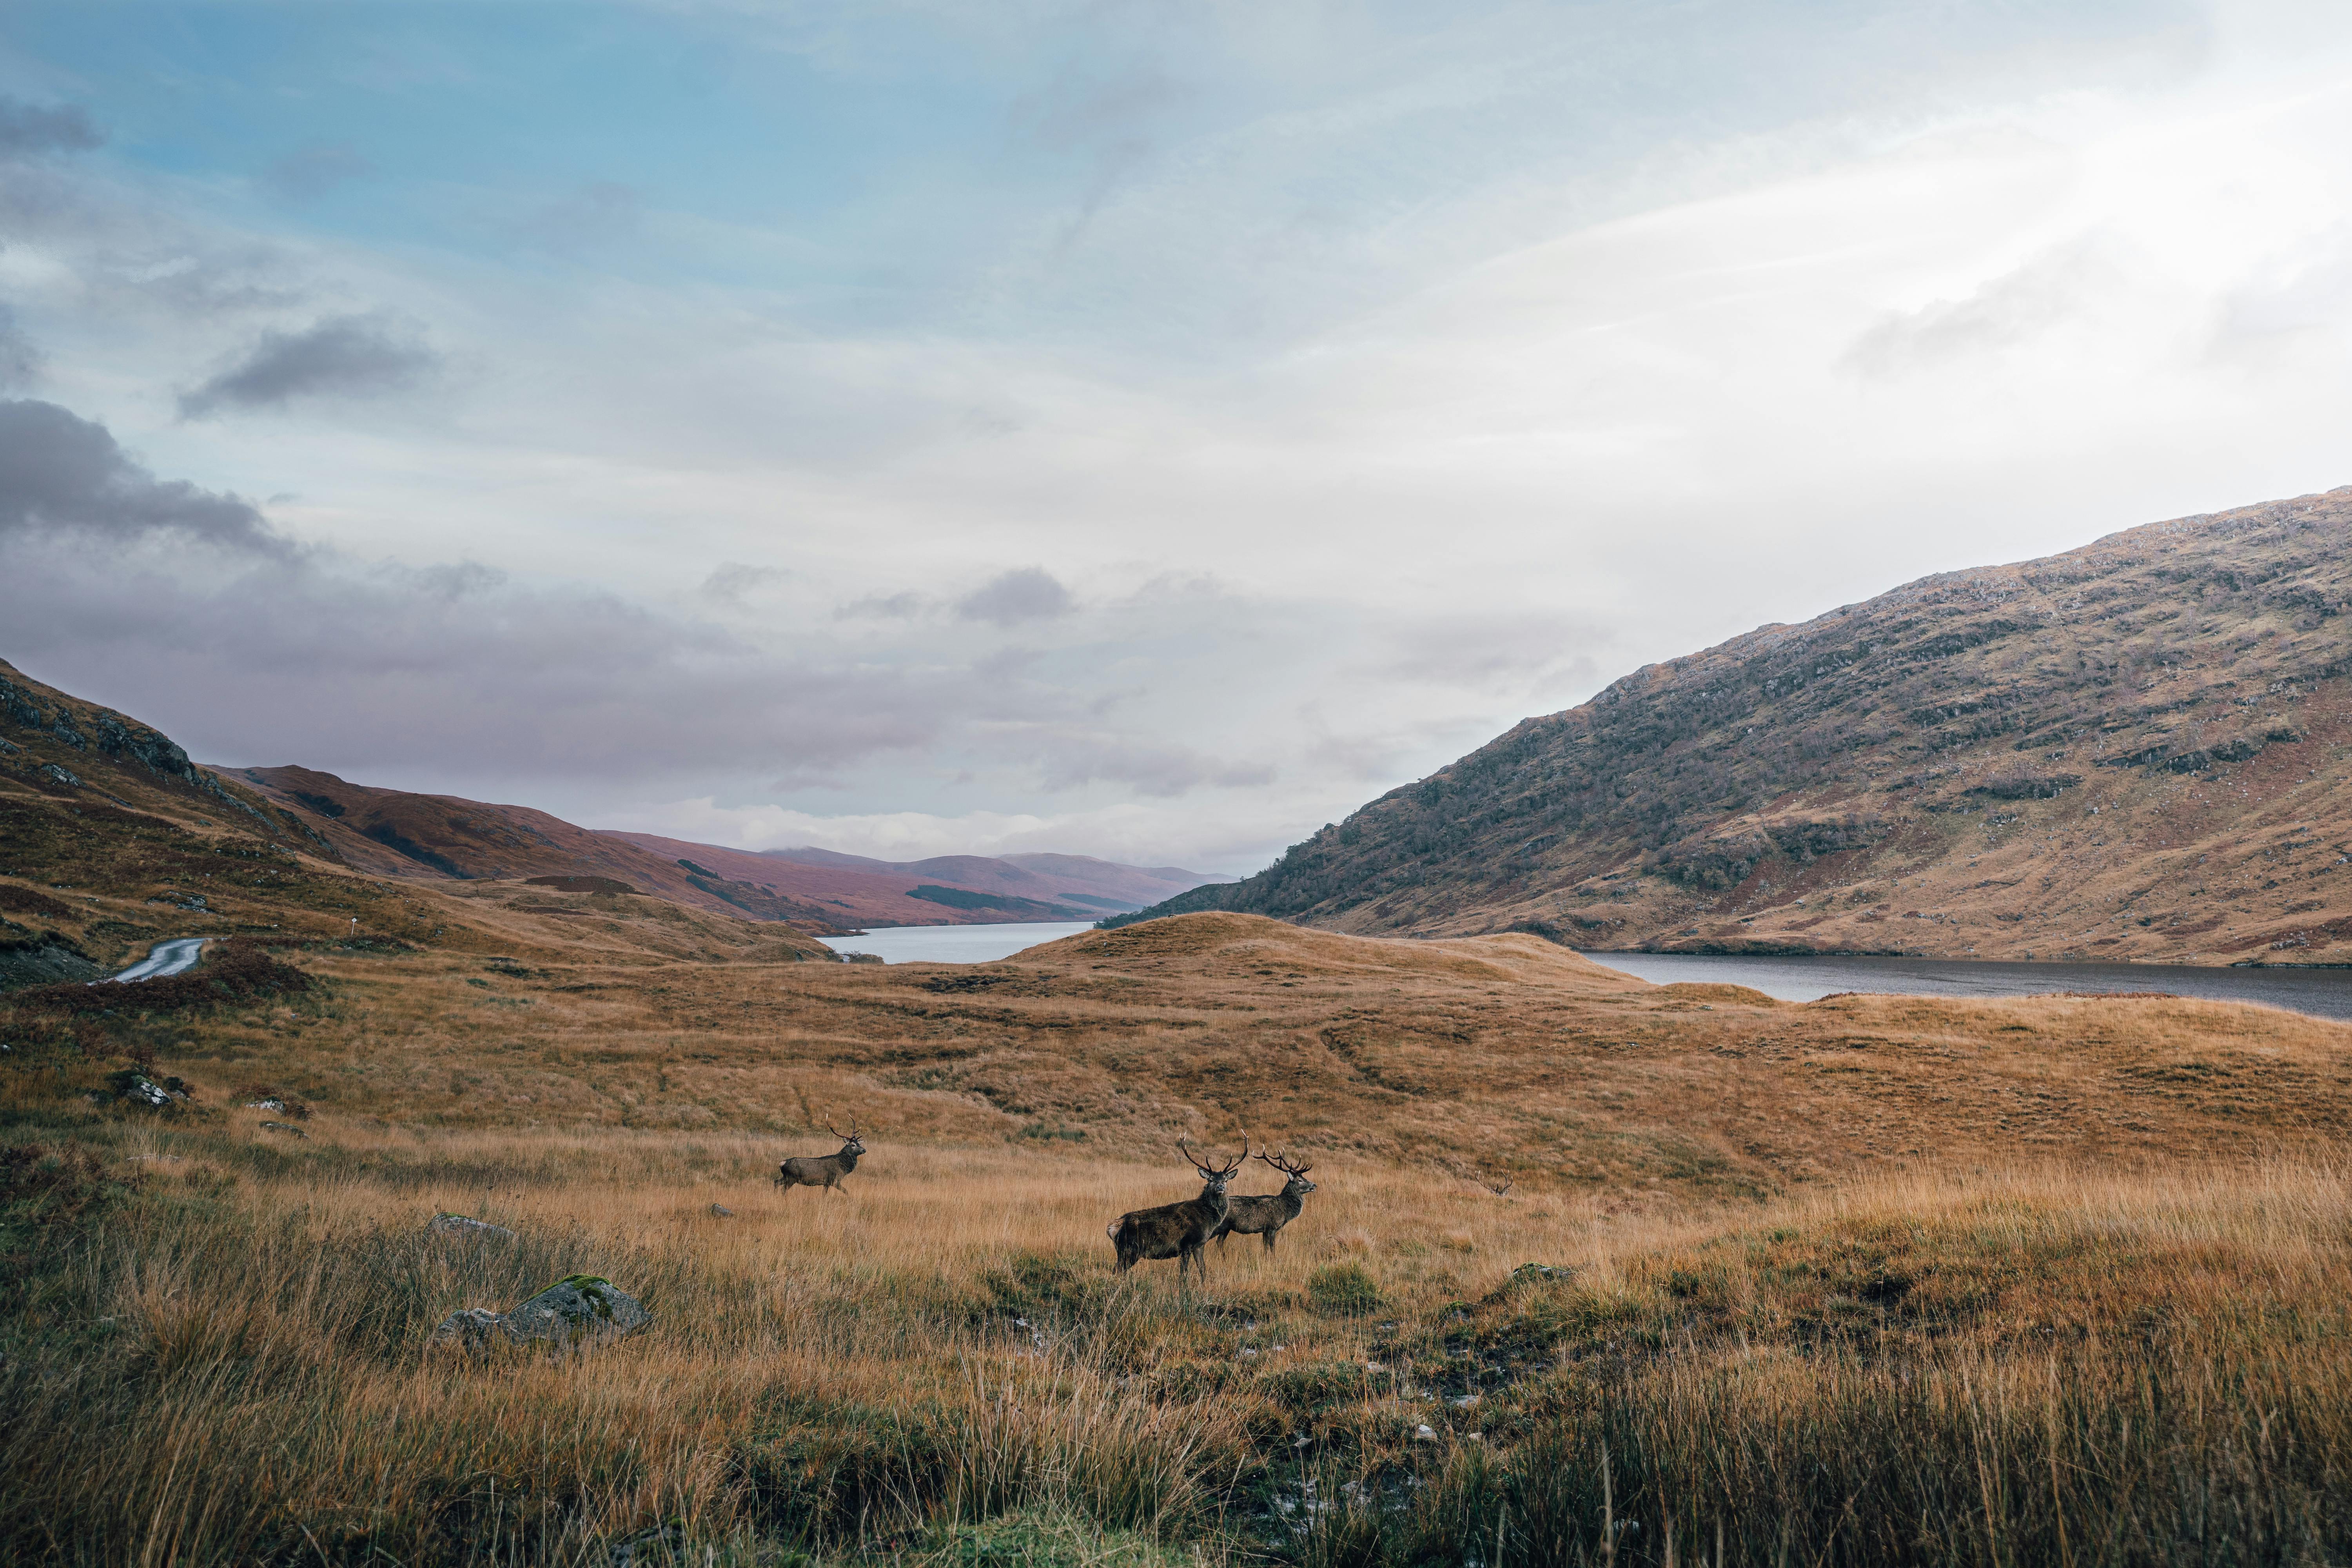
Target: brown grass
{"points": [[1932, 1368], [1871, 1279]]}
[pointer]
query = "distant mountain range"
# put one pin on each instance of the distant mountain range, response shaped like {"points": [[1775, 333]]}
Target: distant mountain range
{"points": [[949, 889], [59, 738], [2140, 749]]}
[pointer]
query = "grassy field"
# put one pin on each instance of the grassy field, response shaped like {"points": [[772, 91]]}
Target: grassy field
{"points": [[1867, 1281], [216, 1354]]}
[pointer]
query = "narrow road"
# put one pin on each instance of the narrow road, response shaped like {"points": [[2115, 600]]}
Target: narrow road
{"points": [[168, 958]]}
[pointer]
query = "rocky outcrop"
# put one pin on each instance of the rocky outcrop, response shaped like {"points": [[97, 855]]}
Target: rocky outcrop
{"points": [[464, 1226], [574, 1313], [43, 958]]}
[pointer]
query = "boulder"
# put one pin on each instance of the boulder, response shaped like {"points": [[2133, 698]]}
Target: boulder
{"points": [[460, 1224], [572, 1313], [474, 1329], [720, 1211], [581, 1310]]}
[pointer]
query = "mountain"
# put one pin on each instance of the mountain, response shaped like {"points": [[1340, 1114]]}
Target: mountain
{"points": [[111, 839], [2137, 750], [1081, 886], [948, 889], [393, 832]]}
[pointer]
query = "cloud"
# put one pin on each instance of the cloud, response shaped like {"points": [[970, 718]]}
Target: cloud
{"points": [[61, 474], [2001, 311], [341, 356], [29, 130], [312, 172], [731, 581], [1025, 594], [20, 362], [883, 608], [1163, 771]]}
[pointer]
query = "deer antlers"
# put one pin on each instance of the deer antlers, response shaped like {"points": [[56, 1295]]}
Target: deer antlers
{"points": [[851, 1137], [1286, 1165], [1221, 1171]]}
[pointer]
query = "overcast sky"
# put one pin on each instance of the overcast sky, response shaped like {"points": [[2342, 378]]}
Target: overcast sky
{"points": [[1143, 430]]}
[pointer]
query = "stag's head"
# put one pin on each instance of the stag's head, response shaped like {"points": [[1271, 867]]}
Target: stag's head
{"points": [[1294, 1170], [849, 1144], [1217, 1176]]}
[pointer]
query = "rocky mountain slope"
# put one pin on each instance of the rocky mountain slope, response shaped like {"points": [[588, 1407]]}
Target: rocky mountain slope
{"points": [[111, 839], [2138, 748]]}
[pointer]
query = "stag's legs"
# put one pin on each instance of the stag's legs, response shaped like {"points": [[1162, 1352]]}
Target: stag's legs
{"points": [[1267, 1237]]}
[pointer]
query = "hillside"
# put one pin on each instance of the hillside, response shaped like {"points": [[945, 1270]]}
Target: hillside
{"points": [[2136, 750], [111, 839], [395, 832], [944, 891]]}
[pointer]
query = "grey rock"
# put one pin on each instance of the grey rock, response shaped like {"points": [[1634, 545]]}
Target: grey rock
{"points": [[284, 1127], [473, 1328], [570, 1314], [720, 1211], [60, 775], [462, 1225], [581, 1310]]}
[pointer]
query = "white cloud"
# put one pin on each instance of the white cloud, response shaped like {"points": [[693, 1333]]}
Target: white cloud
{"points": [[1388, 391]]}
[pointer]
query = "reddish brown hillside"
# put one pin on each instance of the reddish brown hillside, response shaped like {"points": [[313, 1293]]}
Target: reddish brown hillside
{"points": [[393, 832], [2140, 749], [884, 892]]}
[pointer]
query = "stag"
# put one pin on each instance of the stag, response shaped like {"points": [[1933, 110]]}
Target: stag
{"points": [[823, 1170], [1177, 1230], [1267, 1213]]}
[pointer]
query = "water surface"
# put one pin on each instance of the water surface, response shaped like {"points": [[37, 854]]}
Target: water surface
{"points": [[954, 945], [2323, 993]]}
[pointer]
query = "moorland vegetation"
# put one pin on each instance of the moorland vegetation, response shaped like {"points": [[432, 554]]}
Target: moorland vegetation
{"points": [[1596, 1271]]}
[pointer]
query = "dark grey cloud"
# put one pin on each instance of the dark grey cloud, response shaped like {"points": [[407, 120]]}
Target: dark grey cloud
{"points": [[341, 356], [29, 130], [456, 677], [111, 579], [62, 474], [310, 173], [1025, 594], [20, 362]]}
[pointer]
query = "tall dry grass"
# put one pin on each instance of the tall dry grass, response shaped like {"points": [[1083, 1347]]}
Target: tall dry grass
{"points": [[228, 1366]]}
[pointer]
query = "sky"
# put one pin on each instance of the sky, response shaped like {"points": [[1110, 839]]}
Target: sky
{"points": [[1141, 430]]}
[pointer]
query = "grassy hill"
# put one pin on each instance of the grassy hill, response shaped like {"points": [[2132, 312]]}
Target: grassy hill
{"points": [[1805, 1267], [2136, 750], [1864, 1280]]}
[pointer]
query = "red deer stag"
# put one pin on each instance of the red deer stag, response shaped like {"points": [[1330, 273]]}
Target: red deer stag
{"points": [[1177, 1230], [1267, 1213], [823, 1169]]}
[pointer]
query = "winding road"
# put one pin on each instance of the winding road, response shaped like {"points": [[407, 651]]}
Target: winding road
{"points": [[167, 958]]}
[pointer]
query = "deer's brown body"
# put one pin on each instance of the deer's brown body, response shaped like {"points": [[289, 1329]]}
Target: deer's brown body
{"points": [[1177, 1230], [1263, 1214], [823, 1169]]}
